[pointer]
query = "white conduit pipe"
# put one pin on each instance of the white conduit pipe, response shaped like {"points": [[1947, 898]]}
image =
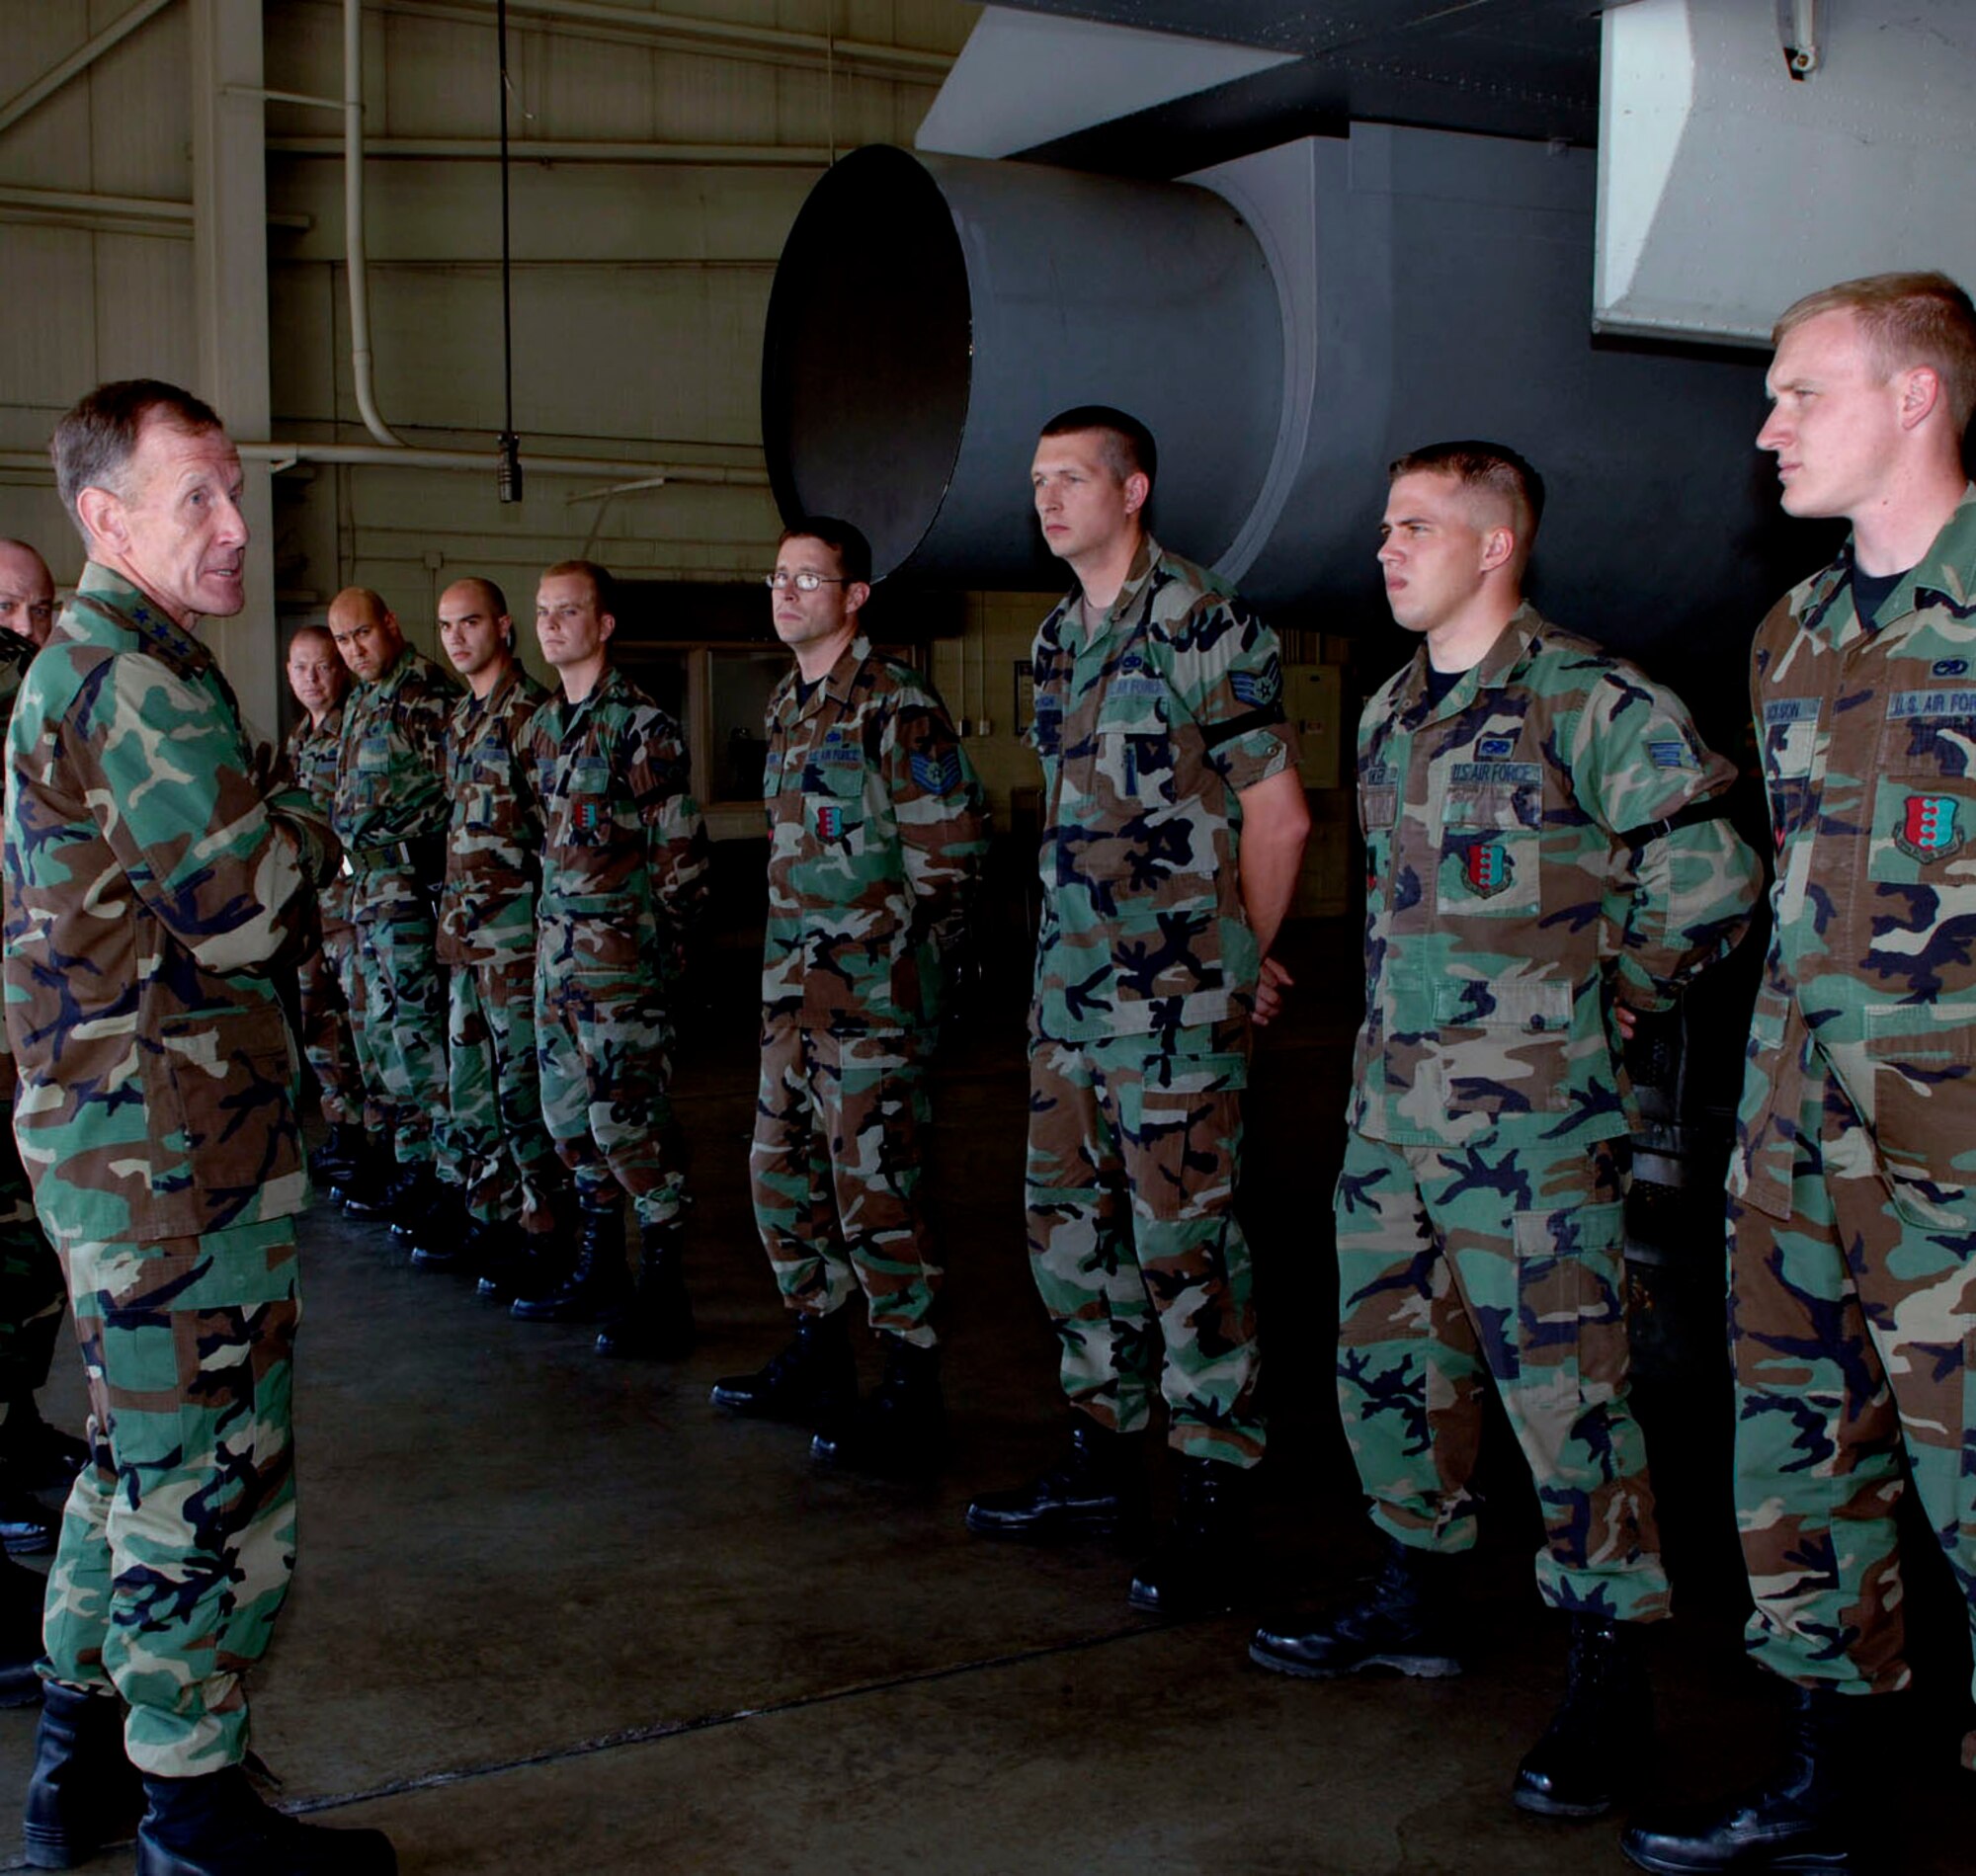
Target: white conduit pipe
{"points": [[353, 221]]}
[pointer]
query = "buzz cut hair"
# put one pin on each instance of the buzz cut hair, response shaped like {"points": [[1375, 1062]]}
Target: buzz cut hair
{"points": [[848, 543], [93, 445], [491, 596], [1129, 449], [302, 633], [1493, 466], [1906, 319], [602, 582]]}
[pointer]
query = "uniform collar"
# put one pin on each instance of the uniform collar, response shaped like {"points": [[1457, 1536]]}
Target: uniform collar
{"points": [[1505, 657], [1139, 577], [115, 606], [1945, 572], [838, 683]]}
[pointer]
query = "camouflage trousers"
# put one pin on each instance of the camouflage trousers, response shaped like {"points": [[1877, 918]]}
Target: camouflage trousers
{"points": [[1466, 1265], [326, 1036], [1134, 1144], [604, 1052], [835, 1168], [32, 1295], [1852, 1330], [401, 1039], [179, 1539], [494, 1132]]}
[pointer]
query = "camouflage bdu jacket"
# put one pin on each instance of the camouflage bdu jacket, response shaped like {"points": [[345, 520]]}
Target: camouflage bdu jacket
{"points": [[149, 885], [493, 848], [1147, 730], [1869, 760], [1534, 844], [625, 852], [16, 654], [877, 831], [390, 782], [313, 752]]}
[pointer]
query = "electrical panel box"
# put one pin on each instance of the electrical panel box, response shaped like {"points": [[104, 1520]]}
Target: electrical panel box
{"points": [[1314, 701]]}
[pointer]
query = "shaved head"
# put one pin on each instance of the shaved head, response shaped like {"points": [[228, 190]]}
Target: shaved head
{"points": [[26, 593]]}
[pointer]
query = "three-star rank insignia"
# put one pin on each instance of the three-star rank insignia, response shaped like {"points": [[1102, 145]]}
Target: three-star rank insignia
{"points": [[1928, 829], [828, 821], [1486, 868]]}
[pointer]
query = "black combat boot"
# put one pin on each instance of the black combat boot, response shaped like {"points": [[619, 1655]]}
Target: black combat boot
{"points": [[439, 1219], [216, 1825], [514, 1262], [1200, 1568], [35, 1457], [22, 1594], [594, 1284], [1599, 1737], [390, 1194], [1800, 1819], [811, 1380], [83, 1792], [899, 1428], [1097, 1491], [365, 1168], [656, 1320], [337, 1160], [1399, 1621], [446, 1235], [26, 1525]]}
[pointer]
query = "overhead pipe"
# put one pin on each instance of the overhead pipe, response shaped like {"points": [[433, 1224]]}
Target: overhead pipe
{"points": [[353, 220]]}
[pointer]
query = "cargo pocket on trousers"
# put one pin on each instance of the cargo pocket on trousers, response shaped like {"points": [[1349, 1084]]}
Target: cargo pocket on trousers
{"points": [[1570, 1317], [1185, 1136], [1923, 1105]]}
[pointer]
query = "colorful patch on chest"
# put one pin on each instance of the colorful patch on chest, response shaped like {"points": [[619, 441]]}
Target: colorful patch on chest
{"points": [[828, 821], [1486, 868], [586, 814], [1929, 829]]}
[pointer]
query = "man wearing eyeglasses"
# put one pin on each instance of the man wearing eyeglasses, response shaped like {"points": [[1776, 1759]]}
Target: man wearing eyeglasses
{"points": [[876, 833], [624, 877]]}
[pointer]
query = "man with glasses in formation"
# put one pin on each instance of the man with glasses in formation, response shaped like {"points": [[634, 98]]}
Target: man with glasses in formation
{"points": [[876, 834]]}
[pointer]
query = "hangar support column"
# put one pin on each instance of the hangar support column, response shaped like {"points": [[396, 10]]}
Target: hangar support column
{"points": [[230, 272]]}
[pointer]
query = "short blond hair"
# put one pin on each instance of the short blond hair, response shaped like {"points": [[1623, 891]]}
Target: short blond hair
{"points": [[1906, 319]]}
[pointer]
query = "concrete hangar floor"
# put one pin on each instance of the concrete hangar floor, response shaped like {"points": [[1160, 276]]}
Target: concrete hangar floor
{"points": [[559, 1617]]}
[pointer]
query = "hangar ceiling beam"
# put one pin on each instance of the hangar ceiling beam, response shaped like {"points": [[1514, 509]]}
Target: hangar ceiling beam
{"points": [[683, 31], [85, 55]]}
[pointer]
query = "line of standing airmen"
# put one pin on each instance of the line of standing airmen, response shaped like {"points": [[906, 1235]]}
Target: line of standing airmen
{"points": [[1548, 854]]}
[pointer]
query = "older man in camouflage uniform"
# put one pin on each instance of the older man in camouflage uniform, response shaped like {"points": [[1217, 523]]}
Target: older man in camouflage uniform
{"points": [[391, 815], [876, 837], [1545, 842], [487, 940], [154, 880], [1174, 824], [1853, 1191], [319, 681], [625, 875]]}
